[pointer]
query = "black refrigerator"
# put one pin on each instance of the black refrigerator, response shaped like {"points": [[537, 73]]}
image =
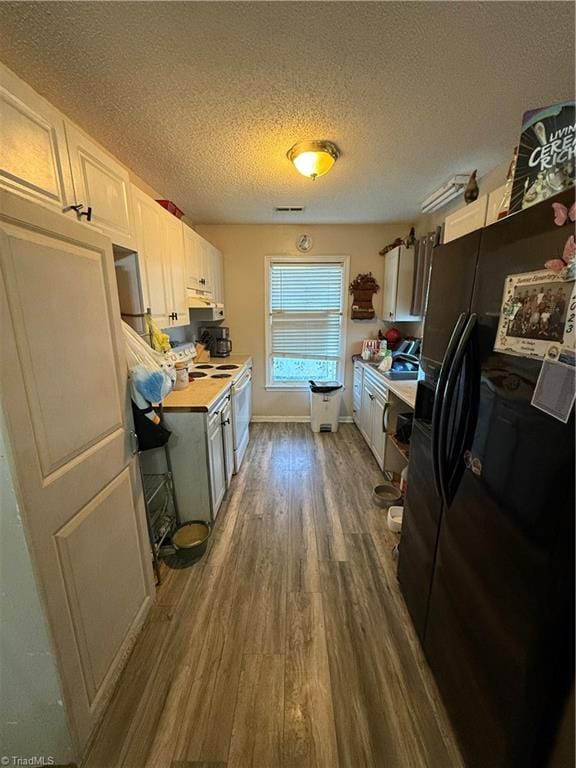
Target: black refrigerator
{"points": [[486, 561]]}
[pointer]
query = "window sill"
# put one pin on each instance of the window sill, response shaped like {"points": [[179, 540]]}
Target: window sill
{"points": [[290, 387], [287, 387]]}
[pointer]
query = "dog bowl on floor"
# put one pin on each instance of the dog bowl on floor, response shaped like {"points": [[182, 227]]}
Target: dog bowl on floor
{"points": [[386, 495], [395, 518], [190, 540]]}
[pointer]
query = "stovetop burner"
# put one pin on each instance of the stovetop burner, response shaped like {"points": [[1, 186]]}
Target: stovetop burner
{"points": [[228, 367], [196, 375], [221, 376], [203, 367]]}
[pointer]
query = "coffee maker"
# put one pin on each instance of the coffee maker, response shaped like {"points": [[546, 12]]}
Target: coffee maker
{"points": [[217, 340]]}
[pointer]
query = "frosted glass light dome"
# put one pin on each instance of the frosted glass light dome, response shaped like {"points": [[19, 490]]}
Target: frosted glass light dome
{"points": [[313, 158]]}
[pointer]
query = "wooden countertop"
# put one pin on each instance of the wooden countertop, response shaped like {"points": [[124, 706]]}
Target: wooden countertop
{"points": [[404, 390], [202, 394]]}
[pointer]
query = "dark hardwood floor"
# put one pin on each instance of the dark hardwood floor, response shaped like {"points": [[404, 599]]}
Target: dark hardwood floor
{"points": [[288, 645]]}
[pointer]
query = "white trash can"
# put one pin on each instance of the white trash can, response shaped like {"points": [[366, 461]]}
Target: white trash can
{"points": [[325, 399]]}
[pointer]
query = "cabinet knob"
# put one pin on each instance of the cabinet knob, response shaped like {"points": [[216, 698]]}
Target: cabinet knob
{"points": [[226, 421]]}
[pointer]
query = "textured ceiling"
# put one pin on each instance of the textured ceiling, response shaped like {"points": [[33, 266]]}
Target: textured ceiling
{"points": [[203, 99]]}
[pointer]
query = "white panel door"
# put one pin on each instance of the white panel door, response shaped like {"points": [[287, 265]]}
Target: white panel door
{"points": [[150, 243], [63, 385], [176, 269], [102, 184], [33, 155]]}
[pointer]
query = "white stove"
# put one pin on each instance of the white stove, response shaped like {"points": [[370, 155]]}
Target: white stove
{"points": [[213, 371]]}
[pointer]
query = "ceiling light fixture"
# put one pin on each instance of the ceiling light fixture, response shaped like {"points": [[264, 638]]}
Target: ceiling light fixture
{"points": [[445, 193], [313, 158]]}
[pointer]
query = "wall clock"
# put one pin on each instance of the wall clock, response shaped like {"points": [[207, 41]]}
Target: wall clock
{"points": [[304, 243]]}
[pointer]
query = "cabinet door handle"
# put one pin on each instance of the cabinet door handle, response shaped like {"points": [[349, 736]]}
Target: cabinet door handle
{"points": [[134, 442], [202, 281], [79, 211], [370, 396], [226, 421], [385, 413]]}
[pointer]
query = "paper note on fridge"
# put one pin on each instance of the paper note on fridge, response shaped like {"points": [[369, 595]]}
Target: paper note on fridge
{"points": [[538, 309], [555, 389]]}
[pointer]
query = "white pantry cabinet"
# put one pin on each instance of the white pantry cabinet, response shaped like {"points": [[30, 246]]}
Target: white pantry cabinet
{"points": [[63, 390], [33, 153], [398, 286], [102, 184]]}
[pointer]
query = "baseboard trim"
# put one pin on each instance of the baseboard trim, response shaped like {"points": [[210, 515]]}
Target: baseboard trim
{"points": [[280, 419], [292, 419]]}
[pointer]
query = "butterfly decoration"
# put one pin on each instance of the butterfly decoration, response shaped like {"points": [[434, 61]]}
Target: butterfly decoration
{"points": [[562, 214], [566, 266]]}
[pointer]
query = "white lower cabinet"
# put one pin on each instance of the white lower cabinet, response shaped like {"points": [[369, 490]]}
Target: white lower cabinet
{"points": [[357, 391], [228, 439], [372, 420], [216, 460], [199, 456]]}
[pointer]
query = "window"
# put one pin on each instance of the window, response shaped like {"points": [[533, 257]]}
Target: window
{"points": [[305, 332]]}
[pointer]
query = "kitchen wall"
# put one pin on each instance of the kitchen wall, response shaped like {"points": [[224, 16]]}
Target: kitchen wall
{"points": [[32, 719], [245, 248]]}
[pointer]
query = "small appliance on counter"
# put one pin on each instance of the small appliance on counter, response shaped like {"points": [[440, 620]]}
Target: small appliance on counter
{"points": [[217, 340]]}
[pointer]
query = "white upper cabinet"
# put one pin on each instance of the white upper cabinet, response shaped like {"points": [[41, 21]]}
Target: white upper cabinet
{"points": [[160, 246], [149, 227], [102, 184], [398, 285], [204, 266], [33, 155], [218, 276], [175, 265], [193, 256]]}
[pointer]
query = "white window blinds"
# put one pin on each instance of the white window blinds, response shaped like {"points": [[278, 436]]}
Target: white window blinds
{"points": [[306, 305]]}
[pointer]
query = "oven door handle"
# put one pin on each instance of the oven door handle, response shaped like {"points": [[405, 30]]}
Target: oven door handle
{"points": [[243, 383]]}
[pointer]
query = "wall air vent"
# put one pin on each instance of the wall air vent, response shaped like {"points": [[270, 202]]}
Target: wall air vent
{"points": [[289, 208]]}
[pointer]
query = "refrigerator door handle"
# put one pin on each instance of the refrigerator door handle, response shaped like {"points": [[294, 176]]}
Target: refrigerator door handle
{"points": [[439, 397], [452, 377]]}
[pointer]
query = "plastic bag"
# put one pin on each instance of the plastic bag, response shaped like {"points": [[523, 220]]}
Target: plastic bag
{"points": [[150, 374]]}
